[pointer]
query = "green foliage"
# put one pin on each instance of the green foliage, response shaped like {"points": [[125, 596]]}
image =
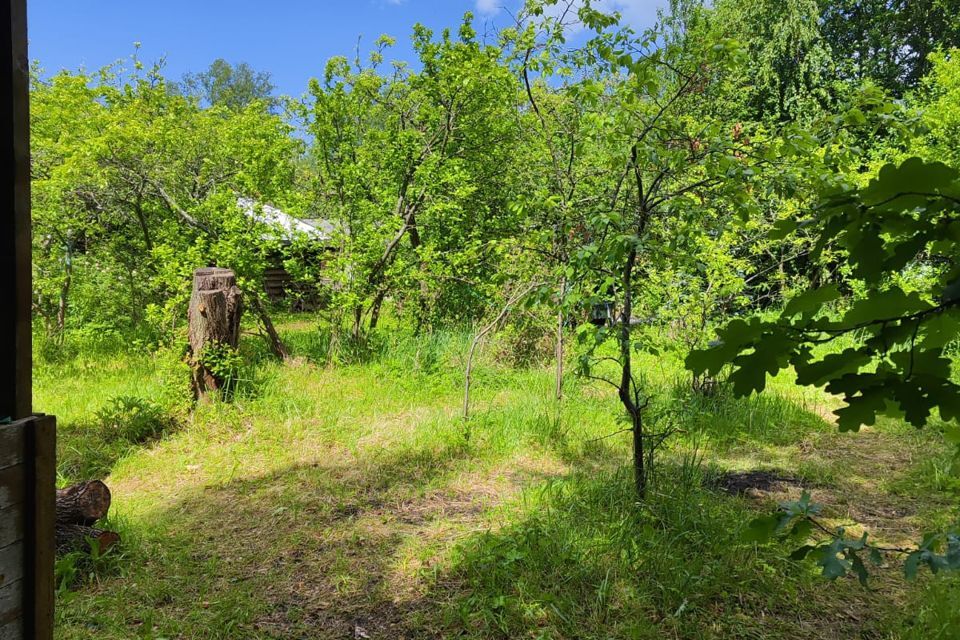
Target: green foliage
{"points": [[409, 169], [790, 68], [135, 187], [841, 554], [89, 448], [225, 363], [937, 100], [888, 41], [227, 85], [75, 568], [903, 217], [131, 419]]}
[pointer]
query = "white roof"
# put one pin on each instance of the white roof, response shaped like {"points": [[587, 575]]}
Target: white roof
{"points": [[270, 215]]}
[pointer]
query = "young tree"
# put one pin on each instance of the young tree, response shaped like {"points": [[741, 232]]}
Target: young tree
{"points": [[410, 166], [666, 173]]}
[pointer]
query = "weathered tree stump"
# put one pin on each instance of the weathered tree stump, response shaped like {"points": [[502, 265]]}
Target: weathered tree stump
{"points": [[216, 307], [78, 508]]}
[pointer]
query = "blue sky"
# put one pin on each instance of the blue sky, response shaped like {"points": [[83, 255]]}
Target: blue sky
{"points": [[292, 39]]}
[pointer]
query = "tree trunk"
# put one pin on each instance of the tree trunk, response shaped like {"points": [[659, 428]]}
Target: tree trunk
{"points": [[626, 377], [273, 338], [63, 302], [216, 307], [375, 309], [558, 386], [357, 323]]}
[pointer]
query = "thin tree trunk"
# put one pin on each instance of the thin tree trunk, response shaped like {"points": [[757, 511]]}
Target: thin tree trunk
{"points": [[375, 307], [63, 303], [626, 377], [142, 221], [480, 336], [277, 347], [357, 322], [415, 243], [559, 350]]}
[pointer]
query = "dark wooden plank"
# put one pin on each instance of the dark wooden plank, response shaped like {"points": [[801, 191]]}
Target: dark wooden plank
{"points": [[15, 285], [11, 524], [12, 631], [11, 563], [11, 602], [12, 444], [42, 532], [19, 481], [12, 481]]}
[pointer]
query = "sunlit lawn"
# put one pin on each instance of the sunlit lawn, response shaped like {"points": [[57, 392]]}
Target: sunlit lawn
{"points": [[353, 501]]}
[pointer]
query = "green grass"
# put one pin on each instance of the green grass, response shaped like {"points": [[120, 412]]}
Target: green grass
{"points": [[350, 499]]}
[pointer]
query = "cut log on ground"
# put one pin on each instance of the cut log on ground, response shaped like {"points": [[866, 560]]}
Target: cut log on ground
{"points": [[83, 504], [78, 508], [216, 307], [77, 537]]}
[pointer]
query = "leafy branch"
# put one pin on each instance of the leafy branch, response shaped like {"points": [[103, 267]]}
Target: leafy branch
{"points": [[840, 554]]}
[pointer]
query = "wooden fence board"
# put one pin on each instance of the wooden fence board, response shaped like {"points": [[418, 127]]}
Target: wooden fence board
{"points": [[11, 602], [27, 521], [12, 563], [12, 445], [12, 485], [11, 524], [43, 525], [12, 631]]}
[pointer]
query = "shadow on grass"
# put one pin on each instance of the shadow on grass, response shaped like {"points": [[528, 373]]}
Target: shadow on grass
{"points": [[306, 552], [89, 450], [587, 561]]}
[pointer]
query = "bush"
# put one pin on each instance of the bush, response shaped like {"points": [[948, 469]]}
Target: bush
{"points": [[89, 450], [529, 340], [131, 419]]}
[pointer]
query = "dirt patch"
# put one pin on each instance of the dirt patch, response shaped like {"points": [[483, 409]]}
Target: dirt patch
{"points": [[757, 483]]}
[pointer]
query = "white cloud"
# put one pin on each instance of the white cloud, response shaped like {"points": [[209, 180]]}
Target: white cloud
{"points": [[488, 7]]}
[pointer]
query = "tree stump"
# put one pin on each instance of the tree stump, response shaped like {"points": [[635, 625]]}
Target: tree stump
{"points": [[216, 307]]}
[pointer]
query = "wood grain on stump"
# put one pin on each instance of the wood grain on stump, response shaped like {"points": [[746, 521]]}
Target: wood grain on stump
{"points": [[216, 308], [78, 508]]}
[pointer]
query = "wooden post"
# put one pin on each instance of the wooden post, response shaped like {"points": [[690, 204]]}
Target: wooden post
{"points": [[15, 285], [216, 308], [27, 445]]}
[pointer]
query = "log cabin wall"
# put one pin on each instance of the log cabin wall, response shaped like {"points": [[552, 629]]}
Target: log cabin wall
{"points": [[276, 282]]}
